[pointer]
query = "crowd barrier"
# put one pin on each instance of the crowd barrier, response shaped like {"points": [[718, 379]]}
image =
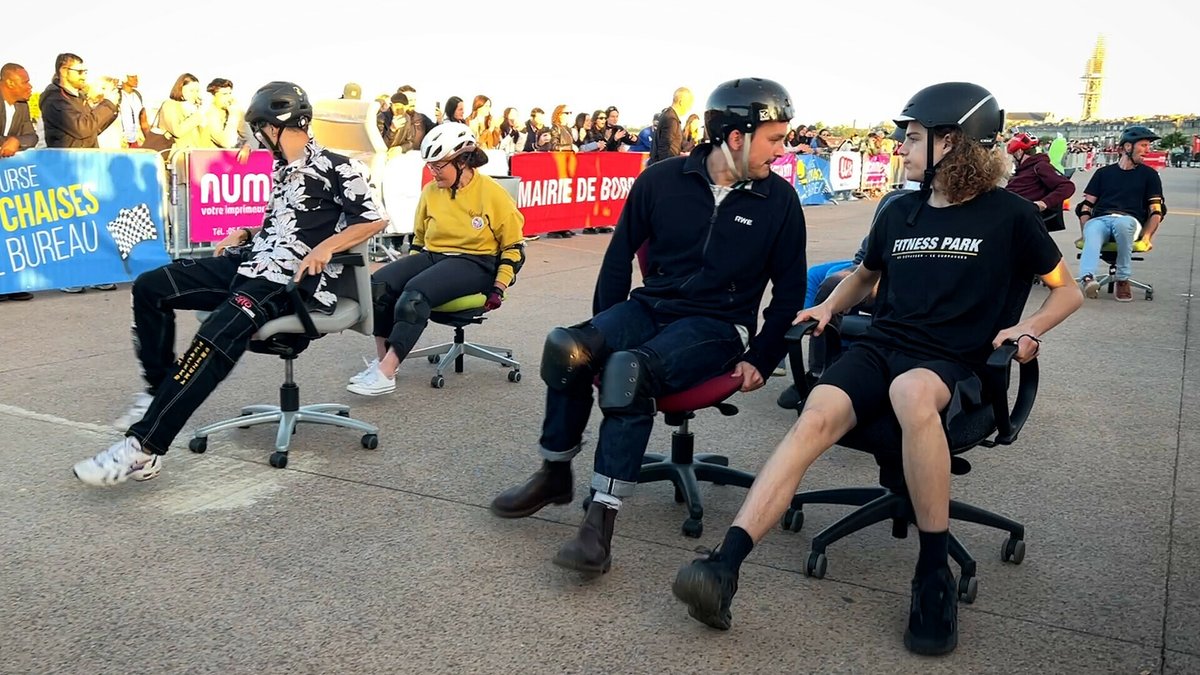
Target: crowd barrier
{"points": [[80, 218]]}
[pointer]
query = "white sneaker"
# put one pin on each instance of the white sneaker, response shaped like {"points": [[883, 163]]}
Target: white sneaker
{"points": [[122, 461], [141, 403], [365, 375], [376, 384]]}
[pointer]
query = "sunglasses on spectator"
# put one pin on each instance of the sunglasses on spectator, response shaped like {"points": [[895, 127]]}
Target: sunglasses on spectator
{"points": [[79, 70]]}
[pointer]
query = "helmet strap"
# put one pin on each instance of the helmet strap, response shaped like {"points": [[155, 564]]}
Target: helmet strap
{"points": [[276, 147], [740, 170]]}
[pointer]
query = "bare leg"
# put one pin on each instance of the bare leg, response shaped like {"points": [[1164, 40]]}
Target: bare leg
{"points": [[917, 397], [389, 363], [827, 416], [381, 347]]}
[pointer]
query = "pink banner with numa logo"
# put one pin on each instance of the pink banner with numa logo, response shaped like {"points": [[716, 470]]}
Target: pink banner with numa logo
{"points": [[225, 194]]}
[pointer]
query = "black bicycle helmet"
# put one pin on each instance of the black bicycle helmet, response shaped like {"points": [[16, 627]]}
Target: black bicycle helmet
{"points": [[282, 104], [743, 104], [1138, 133], [967, 106]]}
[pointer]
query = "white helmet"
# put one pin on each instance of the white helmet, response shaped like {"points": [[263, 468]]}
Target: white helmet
{"points": [[447, 140]]}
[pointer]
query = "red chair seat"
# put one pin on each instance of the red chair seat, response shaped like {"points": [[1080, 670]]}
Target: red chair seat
{"points": [[703, 395]]}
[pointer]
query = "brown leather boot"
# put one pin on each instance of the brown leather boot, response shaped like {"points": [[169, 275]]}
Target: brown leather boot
{"points": [[591, 549], [551, 484]]}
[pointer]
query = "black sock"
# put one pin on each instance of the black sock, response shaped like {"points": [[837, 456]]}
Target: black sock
{"points": [[736, 547], [935, 550]]}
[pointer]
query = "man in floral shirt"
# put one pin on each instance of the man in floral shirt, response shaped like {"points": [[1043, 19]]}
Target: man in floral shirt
{"points": [[320, 205]]}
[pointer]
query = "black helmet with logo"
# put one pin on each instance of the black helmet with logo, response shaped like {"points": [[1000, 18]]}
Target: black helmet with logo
{"points": [[962, 104], [742, 105], [282, 104], [1138, 133]]}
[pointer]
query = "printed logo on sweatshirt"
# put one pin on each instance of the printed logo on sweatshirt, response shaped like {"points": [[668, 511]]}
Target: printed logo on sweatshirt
{"points": [[743, 220]]}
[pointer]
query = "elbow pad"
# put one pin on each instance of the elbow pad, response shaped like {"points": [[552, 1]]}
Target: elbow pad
{"points": [[1158, 207], [1084, 208]]}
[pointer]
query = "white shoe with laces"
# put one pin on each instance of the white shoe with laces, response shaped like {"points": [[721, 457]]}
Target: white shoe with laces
{"points": [[122, 461], [141, 403], [376, 384], [365, 375]]}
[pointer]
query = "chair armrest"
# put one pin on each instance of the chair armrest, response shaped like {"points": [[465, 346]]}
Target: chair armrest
{"points": [[348, 258], [797, 332], [293, 292], [999, 370], [802, 377]]}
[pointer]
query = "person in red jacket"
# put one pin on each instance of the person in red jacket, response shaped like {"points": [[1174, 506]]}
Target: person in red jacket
{"points": [[1038, 181]]}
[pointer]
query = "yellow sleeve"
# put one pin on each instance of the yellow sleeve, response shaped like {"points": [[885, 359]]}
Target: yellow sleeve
{"points": [[419, 220], [510, 235]]}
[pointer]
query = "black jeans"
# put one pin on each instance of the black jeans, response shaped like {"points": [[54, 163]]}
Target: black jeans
{"points": [[439, 278], [239, 305]]}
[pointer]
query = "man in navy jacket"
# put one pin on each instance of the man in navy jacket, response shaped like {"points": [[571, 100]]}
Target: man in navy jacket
{"points": [[710, 230]]}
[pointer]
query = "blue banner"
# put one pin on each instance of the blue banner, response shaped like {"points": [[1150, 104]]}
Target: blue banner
{"points": [[80, 217], [812, 180]]}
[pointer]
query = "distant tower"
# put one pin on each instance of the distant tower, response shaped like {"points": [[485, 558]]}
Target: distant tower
{"points": [[1093, 79]]}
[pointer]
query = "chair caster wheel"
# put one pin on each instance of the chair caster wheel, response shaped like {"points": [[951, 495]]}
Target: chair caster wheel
{"points": [[693, 528], [514, 376], [437, 382], [793, 520], [968, 588], [817, 563], [198, 445], [1013, 551], [1149, 295], [433, 359], [370, 441], [278, 460]]}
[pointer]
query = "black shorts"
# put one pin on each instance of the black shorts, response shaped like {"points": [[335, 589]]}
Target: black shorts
{"points": [[866, 371]]}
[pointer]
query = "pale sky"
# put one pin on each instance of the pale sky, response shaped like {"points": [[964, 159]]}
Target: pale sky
{"points": [[862, 67]]}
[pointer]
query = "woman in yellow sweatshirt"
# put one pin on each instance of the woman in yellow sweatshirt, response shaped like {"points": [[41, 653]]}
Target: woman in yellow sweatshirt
{"points": [[468, 239]]}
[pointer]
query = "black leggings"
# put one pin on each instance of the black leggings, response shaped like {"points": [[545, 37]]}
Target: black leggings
{"points": [[417, 283]]}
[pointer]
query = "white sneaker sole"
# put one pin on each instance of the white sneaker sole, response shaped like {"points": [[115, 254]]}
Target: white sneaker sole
{"points": [[370, 391]]}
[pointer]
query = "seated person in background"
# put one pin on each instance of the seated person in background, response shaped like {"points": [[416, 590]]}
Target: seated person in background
{"points": [[467, 239], [946, 260], [1118, 200], [320, 205], [690, 321], [822, 279], [1038, 181]]}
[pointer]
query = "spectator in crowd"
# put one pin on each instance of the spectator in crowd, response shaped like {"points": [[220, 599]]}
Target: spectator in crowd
{"points": [[579, 130], [16, 127], [822, 145], [693, 134], [645, 137], [1038, 181], [454, 110], [512, 140], [561, 139], [132, 113], [615, 135], [69, 121], [468, 239], [481, 110], [398, 133], [320, 205], [596, 133], [686, 324], [490, 138], [533, 128], [181, 116], [226, 125], [668, 135], [410, 92]]}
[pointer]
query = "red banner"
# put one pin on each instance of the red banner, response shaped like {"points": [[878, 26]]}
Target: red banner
{"points": [[573, 190]]}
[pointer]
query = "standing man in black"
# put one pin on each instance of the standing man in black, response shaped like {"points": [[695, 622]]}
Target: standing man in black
{"points": [[668, 136], [16, 127], [68, 120]]}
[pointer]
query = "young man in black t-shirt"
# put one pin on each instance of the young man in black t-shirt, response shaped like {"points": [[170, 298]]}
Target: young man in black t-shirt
{"points": [[953, 263], [1119, 199]]}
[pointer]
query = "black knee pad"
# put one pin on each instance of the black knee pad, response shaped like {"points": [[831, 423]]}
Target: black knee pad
{"points": [[626, 385], [569, 355], [412, 307]]}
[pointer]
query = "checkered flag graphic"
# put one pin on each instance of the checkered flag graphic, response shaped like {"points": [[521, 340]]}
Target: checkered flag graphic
{"points": [[130, 228]]}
